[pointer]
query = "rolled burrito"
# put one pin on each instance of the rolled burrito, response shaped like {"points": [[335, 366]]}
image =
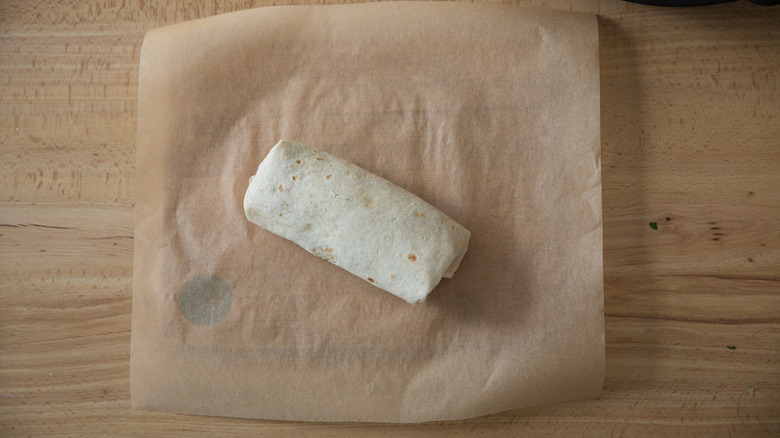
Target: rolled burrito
{"points": [[356, 220]]}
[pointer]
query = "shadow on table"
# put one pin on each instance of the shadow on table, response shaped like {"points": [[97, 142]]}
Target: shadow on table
{"points": [[624, 187]]}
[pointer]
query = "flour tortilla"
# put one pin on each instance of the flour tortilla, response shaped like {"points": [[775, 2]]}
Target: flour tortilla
{"points": [[355, 220]]}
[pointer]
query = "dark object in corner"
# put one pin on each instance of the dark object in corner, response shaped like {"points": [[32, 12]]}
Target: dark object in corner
{"points": [[684, 3]]}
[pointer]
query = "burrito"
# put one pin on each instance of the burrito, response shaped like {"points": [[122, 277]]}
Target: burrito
{"points": [[356, 220]]}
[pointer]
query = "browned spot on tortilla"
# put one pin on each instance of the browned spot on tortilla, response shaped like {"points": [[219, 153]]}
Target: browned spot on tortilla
{"points": [[418, 214], [452, 227], [294, 178], [298, 161], [367, 201], [392, 276], [371, 280], [412, 258], [320, 158], [324, 253], [281, 189], [329, 176], [281, 214]]}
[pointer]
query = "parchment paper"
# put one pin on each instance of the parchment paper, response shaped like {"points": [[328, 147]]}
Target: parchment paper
{"points": [[490, 113]]}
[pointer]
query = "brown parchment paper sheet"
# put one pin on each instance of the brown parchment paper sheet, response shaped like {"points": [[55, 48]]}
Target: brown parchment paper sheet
{"points": [[490, 113]]}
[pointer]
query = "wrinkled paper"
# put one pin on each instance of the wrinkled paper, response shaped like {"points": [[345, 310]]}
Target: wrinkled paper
{"points": [[490, 113]]}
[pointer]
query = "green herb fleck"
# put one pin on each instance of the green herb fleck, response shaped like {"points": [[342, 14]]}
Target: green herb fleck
{"points": [[654, 225], [731, 347], [751, 391]]}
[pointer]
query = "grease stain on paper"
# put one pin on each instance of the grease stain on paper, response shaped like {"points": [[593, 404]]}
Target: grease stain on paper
{"points": [[205, 299]]}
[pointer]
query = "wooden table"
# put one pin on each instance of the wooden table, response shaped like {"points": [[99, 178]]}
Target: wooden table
{"points": [[690, 142]]}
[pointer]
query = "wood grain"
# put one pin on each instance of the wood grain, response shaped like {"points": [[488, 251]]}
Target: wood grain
{"points": [[690, 141]]}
